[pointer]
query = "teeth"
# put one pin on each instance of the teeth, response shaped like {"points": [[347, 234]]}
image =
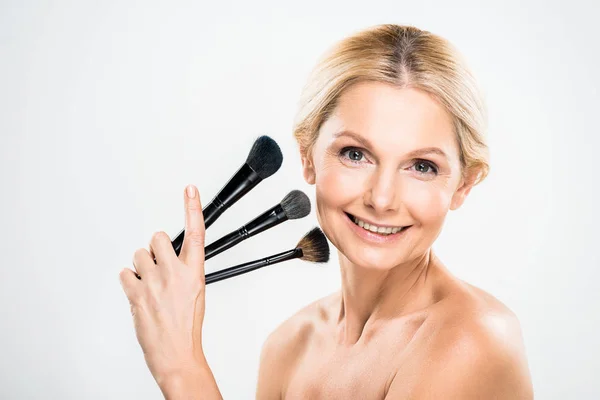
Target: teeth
{"points": [[376, 229]]}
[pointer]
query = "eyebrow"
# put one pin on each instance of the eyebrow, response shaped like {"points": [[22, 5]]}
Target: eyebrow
{"points": [[415, 153], [364, 141]]}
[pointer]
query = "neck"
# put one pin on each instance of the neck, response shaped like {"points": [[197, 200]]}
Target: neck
{"points": [[370, 297]]}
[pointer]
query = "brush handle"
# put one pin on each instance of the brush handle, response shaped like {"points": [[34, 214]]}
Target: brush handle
{"points": [[252, 265], [270, 218], [244, 180]]}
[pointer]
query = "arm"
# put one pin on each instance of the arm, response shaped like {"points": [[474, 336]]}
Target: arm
{"points": [[195, 382]]}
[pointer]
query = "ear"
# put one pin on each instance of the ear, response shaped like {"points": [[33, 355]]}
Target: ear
{"points": [[465, 186], [308, 168]]}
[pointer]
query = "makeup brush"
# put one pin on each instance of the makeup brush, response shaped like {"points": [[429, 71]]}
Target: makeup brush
{"points": [[264, 160], [293, 206], [312, 247]]}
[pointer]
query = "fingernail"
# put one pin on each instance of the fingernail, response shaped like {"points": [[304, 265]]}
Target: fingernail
{"points": [[191, 192]]}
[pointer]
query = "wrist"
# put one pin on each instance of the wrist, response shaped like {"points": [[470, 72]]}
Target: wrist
{"points": [[191, 381]]}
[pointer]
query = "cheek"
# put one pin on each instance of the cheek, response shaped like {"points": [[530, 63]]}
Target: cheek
{"points": [[337, 185], [427, 202]]}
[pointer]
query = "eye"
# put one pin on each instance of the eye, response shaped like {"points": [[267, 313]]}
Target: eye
{"points": [[425, 167], [352, 154]]}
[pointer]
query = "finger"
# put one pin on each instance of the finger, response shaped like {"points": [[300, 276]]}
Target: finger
{"points": [[192, 250], [161, 249], [130, 284], [143, 262]]}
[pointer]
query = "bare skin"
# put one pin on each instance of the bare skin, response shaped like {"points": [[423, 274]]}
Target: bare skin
{"points": [[456, 341], [402, 326]]}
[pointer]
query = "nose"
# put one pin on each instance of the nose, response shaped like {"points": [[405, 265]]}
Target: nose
{"points": [[382, 194]]}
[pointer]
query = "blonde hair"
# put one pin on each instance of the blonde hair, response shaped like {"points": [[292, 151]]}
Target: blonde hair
{"points": [[404, 56]]}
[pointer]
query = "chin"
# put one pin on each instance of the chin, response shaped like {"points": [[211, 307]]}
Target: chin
{"points": [[373, 258]]}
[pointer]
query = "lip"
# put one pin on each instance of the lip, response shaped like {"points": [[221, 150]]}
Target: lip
{"points": [[374, 237], [374, 223]]}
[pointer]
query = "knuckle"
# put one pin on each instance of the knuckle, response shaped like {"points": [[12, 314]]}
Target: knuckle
{"points": [[138, 254], [195, 238], [132, 295], [194, 206], [122, 275], [135, 300], [160, 236]]}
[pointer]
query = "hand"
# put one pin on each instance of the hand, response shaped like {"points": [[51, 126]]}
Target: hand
{"points": [[167, 303]]}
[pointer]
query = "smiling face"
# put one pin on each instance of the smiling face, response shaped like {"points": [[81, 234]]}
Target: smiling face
{"points": [[386, 160]]}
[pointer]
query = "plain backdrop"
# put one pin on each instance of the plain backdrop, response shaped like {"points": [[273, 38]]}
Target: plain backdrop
{"points": [[108, 109]]}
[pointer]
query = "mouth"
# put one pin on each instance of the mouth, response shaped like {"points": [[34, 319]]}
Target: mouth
{"points": [[382, 231]]}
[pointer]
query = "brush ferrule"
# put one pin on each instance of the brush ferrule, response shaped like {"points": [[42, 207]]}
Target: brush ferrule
{"points": [[273, 216], [241, 183], [286, 255], [266, 220]]}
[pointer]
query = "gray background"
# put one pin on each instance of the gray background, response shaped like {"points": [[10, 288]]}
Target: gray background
{"points": [[108, 109]]}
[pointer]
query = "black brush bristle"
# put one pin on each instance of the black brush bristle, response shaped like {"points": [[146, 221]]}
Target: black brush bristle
{"points": [[265, 157], [296, 204], [314, 246]]}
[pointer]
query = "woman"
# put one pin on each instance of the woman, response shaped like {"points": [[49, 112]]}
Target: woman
{"points": [[390, 130]]}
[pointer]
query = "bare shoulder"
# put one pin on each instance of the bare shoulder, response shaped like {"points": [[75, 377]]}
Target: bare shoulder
{"points": [[477, 350], [484, 322], [285, 344], [481, 341], [292, 334]]}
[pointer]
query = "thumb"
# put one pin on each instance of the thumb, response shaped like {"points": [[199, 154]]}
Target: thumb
{"points": [[192, 250]]}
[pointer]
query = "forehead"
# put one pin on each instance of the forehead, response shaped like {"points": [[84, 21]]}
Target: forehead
{"points": [[391, 118]]}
